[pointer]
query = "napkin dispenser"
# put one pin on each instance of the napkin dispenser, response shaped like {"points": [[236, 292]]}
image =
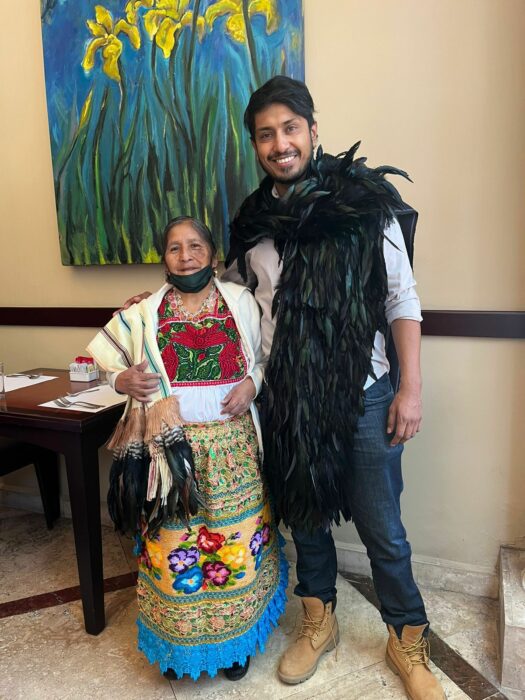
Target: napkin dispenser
{"points": [[83, 369]]}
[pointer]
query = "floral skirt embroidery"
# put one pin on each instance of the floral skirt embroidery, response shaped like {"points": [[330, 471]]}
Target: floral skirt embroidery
{"points": [[208, 596]]}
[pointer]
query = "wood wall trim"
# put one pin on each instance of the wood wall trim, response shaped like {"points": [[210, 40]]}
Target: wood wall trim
{"points": [[475, 324], [465, 324], [70, 316]]}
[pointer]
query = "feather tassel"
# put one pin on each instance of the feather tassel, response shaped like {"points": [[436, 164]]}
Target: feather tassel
{"points": [[152, 478]]}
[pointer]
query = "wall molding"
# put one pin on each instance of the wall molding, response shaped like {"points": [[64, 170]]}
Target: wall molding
{"points": [[465, 324], [475, 324], [20, 498], [26, 498], [441, 574], [66, 316]]}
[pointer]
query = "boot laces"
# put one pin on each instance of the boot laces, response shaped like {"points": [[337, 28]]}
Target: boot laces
{"points": [[417, 653], [311, 627]]}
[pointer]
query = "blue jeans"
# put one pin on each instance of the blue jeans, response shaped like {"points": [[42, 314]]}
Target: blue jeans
{"points": [[376, 484]]}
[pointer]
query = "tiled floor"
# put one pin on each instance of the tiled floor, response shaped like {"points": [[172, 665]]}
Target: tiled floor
{"points": [[46, 655]]}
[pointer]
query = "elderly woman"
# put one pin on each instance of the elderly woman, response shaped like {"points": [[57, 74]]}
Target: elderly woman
{"points": [[186, 473]]}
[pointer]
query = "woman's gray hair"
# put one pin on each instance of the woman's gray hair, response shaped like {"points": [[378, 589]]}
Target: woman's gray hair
{"points": [[198, 226]]}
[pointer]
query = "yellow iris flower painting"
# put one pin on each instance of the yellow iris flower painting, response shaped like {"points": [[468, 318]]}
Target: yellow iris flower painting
{"points": [[145, 105]]}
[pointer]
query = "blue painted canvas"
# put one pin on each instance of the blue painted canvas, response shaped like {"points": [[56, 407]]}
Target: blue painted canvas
{"points": [[145, 104]]}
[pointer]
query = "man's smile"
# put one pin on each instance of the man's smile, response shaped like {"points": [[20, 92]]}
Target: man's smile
{"points": [[284, 160]]}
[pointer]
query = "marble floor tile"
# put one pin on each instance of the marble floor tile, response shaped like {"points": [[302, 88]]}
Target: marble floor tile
{"points": [[480, 648], [357, 671], [36, 560], [375, 682], [452, 612], [469, 624], [46, 655]]}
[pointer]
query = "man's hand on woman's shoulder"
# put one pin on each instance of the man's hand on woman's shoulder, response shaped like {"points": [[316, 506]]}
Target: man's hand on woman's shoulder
{"points": [[132, 300]]}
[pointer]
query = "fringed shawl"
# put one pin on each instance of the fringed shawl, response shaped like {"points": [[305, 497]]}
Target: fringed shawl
{"points": [[328, 231], [152, 478]]}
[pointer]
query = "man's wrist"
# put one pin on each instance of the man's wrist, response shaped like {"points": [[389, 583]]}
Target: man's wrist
{"points": [[411, 385], [115, 379]]}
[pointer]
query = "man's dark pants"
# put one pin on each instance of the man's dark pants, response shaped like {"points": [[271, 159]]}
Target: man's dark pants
{"points": [[376, 485]]}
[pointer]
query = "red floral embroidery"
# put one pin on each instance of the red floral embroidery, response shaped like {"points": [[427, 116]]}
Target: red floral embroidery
{"points": [[163, 308], [209, 541], [196, 338], [229, 360], [171, 360], [205, 351]]}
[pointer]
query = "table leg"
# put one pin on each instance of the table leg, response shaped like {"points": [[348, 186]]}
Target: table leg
{"points": [[46, 467], [84, 494]]}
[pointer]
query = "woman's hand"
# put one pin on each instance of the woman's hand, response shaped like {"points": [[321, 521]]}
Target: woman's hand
{"points": [[238, 400], [137, 383]]}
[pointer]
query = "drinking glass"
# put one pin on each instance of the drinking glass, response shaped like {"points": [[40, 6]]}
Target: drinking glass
{"points": [[102, 378]]}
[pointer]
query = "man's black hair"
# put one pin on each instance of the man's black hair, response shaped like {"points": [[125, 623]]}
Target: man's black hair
{"points": [[284, 90]]}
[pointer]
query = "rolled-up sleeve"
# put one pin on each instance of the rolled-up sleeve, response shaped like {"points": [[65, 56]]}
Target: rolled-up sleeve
{"points": [[402, 300]]}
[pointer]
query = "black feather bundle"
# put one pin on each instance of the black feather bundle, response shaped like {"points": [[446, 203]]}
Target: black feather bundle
{"points": [[183, 499], [128, 479], [328, 231], [128, 505]]}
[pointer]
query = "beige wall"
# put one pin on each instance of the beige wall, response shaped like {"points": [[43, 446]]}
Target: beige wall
{"points": [[433, 86], [436, 88]]}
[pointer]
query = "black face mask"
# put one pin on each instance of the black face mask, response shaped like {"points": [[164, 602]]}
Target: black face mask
{"points": [[191, 283]]}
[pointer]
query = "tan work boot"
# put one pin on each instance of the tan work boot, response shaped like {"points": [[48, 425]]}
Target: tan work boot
{"points": [[319, 633], [408, 658]]}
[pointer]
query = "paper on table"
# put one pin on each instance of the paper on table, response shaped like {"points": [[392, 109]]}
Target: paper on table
{"points": [[104, 396], [12, 383]]}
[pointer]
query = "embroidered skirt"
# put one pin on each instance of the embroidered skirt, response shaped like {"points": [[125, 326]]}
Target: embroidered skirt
{"points": [[208, 596]]}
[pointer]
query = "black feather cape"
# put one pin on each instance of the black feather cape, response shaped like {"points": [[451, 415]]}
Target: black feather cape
{"points": [[328, 230]]}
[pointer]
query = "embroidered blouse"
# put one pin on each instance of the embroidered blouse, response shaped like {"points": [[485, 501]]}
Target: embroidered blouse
{"points": [[203, 357]]}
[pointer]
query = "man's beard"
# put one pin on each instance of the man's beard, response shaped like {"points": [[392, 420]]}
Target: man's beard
{"points": [[290, 179]]}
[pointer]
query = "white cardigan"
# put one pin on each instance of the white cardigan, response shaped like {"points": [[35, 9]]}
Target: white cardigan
{"points": [[244, 310]]}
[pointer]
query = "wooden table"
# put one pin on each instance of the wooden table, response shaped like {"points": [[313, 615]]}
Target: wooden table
{"points": [[77, 436]]}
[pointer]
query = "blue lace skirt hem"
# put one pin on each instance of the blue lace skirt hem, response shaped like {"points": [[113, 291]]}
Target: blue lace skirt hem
{"points": [[210, 658]]}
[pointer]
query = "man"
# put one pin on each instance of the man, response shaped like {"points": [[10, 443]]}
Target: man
{"points": [[319, 245]]}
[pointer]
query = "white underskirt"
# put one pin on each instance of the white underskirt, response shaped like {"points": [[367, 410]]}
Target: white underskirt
{"points": [[202, 404]]}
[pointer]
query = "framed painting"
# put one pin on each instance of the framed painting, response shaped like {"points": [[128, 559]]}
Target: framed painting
{"points": [[145, 105]]}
